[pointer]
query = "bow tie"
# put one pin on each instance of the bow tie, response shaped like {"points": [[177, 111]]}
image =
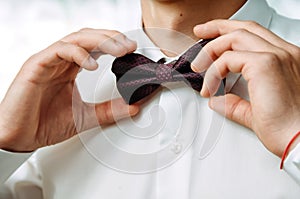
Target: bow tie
{"points": [[138, 76]]}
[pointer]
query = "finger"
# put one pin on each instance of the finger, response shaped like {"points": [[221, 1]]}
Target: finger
{"points": [[216, 28], [121, 38], [115, 44], [233, 107], [240, 40], [105, 113], [230, 61], [114, 110], [252, 65], [69, 52]]}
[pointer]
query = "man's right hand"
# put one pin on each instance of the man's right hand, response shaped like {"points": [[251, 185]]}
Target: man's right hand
{"points": [[43, 107], [271, 67]]}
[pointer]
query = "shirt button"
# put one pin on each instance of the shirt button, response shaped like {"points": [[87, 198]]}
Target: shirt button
{"points": [[176, 148]]}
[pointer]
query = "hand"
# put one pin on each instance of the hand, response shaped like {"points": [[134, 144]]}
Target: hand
{"points": [[40, 107], [271, 67]]}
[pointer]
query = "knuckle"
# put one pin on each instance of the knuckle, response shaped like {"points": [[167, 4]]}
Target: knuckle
{"points": [[270, 59], [220, 22], [121, 36], [271, 62], [240, 32], [85, 29], [231, 110], [79, 50], [251, 24], [227, 54], [286, 58], [73, 37], [35, 56], [114, 32], [59, 43], [285, 55], [239, 35], [208, 49], [295, 51]]}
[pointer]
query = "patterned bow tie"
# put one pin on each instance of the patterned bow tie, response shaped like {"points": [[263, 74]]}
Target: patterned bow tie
{"points": [[138, 76]]}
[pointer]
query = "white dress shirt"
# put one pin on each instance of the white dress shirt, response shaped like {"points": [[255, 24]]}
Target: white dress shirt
{"points": [[175, 148]]}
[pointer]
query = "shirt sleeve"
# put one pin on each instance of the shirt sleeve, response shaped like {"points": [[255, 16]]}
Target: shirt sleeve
{"points": [[19, 176], [10, 162], [292, 164]]}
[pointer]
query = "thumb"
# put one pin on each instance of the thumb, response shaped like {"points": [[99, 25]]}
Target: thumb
{"points": [[106, 113], [234, 108], [114, 110]]}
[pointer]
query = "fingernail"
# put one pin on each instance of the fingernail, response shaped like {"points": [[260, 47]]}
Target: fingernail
{"points": [[197, 64], [122, 110], [217, 104], [204, 91], [197, 27], [91, 64], [201, 62], [133, 110], [200, 28]]}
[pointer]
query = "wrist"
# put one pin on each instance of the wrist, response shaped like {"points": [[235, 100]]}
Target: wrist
{"points": [[292, 144], [4, 141], [9, 140], [2, 133], [284, 136]]}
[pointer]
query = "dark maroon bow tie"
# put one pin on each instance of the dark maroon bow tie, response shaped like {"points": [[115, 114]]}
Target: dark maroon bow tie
{"points": [[139, 76]]}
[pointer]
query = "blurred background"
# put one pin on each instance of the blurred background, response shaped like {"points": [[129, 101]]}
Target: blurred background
{"points": [[27, 27]]}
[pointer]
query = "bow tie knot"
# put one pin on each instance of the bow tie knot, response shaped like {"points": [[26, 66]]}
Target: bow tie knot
{"points": [[164, 73]]}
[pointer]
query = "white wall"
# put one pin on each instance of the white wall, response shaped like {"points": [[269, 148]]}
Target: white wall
{"points": [[27, 27]]}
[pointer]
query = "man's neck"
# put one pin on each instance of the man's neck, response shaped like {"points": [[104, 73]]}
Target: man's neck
{"points": [[176, 18]]}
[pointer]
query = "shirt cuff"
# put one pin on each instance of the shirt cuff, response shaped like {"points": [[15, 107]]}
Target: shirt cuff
{"points": [[292, 164], [9, 162]]}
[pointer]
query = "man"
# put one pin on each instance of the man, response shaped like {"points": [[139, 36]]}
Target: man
{"points": [[190, 163]]}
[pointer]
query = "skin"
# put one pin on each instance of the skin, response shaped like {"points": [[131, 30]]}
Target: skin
{"points": [[271, 67], [40, 108], [43, 107], [48, 77], [273, 112], [181, 16]]}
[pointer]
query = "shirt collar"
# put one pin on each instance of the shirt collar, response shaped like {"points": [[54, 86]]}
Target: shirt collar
{"points": [[253, 10]]}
